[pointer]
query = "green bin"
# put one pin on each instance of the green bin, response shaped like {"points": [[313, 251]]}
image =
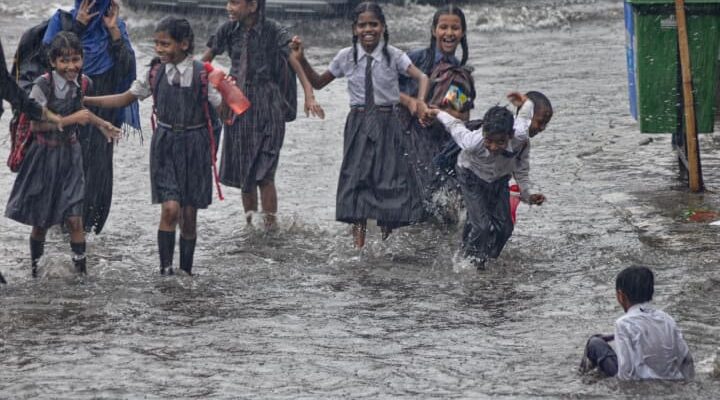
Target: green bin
{"points": [[657, 67]]}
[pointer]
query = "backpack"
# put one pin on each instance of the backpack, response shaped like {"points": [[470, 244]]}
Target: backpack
{"points": [[446, 77], [20, 134], [153, 78]]}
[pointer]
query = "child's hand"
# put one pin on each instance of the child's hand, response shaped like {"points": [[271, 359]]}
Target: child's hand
{"points": [[226, 114], [110, 131], [82, 117], [110, 19], [312, 107], [296, 48], [53, 118], [84, 16], [536, 199], [516, 98]]}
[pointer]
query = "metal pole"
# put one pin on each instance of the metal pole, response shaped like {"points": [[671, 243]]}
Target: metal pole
{"points": [[691, 142]]}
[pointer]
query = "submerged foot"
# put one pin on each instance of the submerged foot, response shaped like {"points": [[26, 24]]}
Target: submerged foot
{"points": [[188, 270], [167, 271], [2, 279], [359, 230], [80, 266], [385, 232]]}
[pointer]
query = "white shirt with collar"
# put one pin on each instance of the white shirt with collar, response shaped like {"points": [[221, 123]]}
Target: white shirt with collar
{"points": [[649, 345], [61, 87], [141, 88], [484, 164], [385, 74], [523, 119]]}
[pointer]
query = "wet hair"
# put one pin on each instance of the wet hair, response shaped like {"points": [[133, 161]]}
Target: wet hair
{"points": [[498, 120], [64, 43], [637, 282], [178, 29], [449, 9], [372, 7], [541, 105]]}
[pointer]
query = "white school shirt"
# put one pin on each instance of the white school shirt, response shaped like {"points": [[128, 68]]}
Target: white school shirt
{"points": [[141, 88], [385, 75], [649, 345], [523, 119], [61, 88], [485, 165]]}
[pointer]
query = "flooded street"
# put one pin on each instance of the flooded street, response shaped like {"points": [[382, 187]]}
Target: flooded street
{"points": [[299, 313]]}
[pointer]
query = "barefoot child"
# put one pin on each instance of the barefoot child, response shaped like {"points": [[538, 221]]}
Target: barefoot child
{"points": [[181, 152], [648, 343], [50, 187], [484, 167], [258, 48], [375, 180]]}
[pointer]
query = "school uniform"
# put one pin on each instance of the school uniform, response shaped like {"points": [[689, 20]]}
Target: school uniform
{"points": [[484, 180], [180, 154], [251, 146], [50, 184], [425, 143], [375, 179], [648, 345]]}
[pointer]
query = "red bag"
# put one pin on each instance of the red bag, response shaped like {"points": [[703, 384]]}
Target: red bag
{"points": [[514, 201]]}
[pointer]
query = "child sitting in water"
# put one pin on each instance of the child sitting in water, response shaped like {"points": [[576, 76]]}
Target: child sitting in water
{"points": [[648, 343], [484, 166]]}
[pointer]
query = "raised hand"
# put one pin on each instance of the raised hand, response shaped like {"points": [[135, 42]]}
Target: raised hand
{"points": [[296, 48], [84, 14], [516, 98], [110, 19]]}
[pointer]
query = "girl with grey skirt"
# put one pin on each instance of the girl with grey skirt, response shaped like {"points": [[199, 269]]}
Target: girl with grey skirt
{"points": [[50, 186], [375, 179]]}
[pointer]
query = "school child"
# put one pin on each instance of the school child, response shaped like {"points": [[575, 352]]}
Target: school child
{"points": [[258, 48], [450, 79], [181, 152], [49, 187], [375, 181], [110, 63], [533, 112], [648, 343], [484, 167], [10, 91]]}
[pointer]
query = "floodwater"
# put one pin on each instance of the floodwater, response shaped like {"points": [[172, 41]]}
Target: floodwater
{"points": [[300, 314]]}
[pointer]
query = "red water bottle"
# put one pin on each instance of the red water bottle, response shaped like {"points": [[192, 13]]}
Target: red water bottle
{"points": [[231, 94]]}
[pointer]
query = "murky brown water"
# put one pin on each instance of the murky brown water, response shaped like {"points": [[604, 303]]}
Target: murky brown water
{"points": [[300, 314]]}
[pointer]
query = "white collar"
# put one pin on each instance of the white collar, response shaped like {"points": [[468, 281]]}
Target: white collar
{"points": [[376, 53], [60, 82], [639, 308], [181, 67]]}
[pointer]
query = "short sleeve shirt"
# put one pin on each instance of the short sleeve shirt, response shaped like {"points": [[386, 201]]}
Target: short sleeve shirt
{"points": [[142, 90], [385, 73], [62, 89]]}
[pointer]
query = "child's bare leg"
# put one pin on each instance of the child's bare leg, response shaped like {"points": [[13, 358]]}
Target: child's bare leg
{"points": [[359, 230], [268, 197], [250, 204], [166, 235], [37, 247], [77, 243], [188, 238]]}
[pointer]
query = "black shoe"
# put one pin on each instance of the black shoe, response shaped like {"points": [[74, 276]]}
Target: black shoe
{"points": [[34, 270], [188, 270], [2, 279]]}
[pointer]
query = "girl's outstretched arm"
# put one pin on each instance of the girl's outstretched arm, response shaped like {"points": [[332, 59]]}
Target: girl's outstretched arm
{"points": [[297, 52], [108, 130], [112, 101], [80, 117], [311, 105], [423, 85]]}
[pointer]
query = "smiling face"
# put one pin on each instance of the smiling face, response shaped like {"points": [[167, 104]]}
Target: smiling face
{"points": [[495, 143], [241, 10], [369, 30], [447, 33], [68, 65], [168, 49]]}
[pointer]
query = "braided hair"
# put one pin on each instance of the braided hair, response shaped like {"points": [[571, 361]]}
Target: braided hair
{"points": [[372, 7], [449, 9], [178, 29], [498, 120]]}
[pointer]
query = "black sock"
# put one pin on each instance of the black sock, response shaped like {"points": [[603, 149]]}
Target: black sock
{"points": [[187, 253], [37, 248], [166, 247], [78, 257]]}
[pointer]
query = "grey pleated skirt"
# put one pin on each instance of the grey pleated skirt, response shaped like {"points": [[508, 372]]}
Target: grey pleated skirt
{"points": [[375, 178], [180, 167]]}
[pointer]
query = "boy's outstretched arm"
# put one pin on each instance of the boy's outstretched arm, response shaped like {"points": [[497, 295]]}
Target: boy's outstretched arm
{"points": [[317, 81], [111, 101], [464, 137], [522, 176]]}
